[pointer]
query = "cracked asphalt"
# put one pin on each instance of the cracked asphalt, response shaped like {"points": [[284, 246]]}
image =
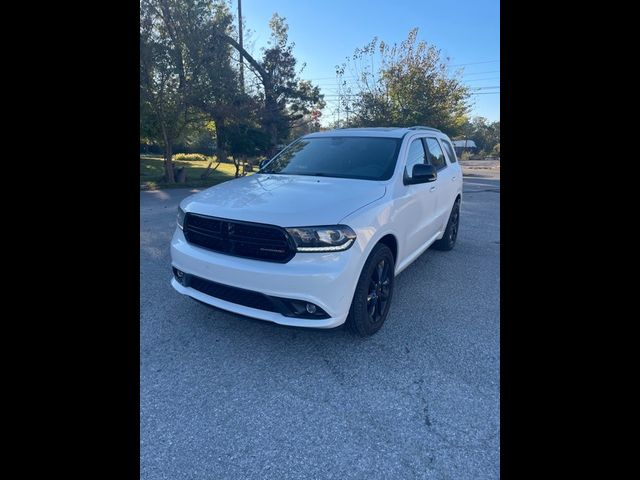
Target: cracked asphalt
{"points": [[223, 396]]}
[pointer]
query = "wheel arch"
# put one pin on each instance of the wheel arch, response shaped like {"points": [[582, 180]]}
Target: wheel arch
{"points": [[390, 241]]}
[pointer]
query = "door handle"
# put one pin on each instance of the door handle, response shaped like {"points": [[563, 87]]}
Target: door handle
{"points": [[432, 189], [453, 178]]}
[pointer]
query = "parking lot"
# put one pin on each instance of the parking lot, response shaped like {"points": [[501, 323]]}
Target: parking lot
{"points": [[227, 397]]}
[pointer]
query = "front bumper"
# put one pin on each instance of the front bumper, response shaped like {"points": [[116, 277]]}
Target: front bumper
{"points": [[326, 279]]}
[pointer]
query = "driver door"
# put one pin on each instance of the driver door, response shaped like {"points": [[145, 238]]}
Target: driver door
{"points": [[419, 209]]}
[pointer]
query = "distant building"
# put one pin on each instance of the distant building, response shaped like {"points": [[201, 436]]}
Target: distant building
{"points": [[464, 146]]}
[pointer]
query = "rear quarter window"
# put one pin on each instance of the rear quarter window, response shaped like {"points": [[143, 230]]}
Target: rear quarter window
{"points": [[449, 151]]}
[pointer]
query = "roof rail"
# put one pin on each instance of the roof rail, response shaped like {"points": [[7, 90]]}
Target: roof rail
{"points": [[420, 127]]}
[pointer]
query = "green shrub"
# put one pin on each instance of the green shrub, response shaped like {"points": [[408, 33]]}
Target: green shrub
{"points": [[190, 157], [466, 155]]}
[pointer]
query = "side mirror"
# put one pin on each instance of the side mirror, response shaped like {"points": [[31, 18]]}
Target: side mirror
{"points": [[422, 173]]}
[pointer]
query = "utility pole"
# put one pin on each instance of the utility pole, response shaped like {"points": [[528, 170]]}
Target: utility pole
{"points": [[241, 46]]}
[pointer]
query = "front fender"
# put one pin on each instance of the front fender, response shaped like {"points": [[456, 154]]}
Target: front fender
{"points": [[371, 223]]}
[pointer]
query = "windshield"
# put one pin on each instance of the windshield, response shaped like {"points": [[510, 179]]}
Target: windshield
{"points": [[367, 158]]}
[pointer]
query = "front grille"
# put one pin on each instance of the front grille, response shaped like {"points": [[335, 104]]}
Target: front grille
{"points": [[241, 239], [240, 296]]}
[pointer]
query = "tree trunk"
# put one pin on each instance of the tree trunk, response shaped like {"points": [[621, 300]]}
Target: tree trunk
{"points": [[274, 139], [271, 113], [169, 176], [221, 140], [181, 176], [209, 170], [237, 162]]}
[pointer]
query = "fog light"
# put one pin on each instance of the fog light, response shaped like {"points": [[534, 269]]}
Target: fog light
{"points": [[180, 275], [299, 308]]}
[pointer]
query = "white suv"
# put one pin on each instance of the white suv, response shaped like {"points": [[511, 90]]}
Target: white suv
{"points": [[317, 235]]}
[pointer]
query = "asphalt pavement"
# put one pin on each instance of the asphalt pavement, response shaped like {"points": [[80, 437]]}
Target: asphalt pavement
{"points": [[227, 397]]}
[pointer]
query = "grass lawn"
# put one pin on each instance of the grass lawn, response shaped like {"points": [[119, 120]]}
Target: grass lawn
{"points": [[152, 170]]}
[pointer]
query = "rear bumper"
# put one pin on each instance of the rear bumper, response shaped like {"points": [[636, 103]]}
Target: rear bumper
{"points": [[326, 279]]}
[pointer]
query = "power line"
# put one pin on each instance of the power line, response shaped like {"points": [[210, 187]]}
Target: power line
{"points": [[356, 77], [479, 73], [474, 63], [353, 80], [336, 98], [335, 93], [483, 79]]}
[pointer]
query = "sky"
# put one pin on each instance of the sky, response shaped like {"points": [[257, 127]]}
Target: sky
{"points": [[327, 31]]}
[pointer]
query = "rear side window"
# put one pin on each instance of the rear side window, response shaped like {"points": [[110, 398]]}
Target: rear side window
{"points": [[436, 154], [415, 155], [451, 154]]}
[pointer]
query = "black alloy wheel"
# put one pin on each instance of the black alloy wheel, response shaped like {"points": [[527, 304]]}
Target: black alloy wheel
{"points": [[372, 298], [379, 289], [450, 235]]}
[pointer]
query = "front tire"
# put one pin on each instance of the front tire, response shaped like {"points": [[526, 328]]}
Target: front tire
{"points": [[448, 240], [372, 298]]}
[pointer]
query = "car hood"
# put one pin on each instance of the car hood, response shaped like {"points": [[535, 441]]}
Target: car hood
{"points": [[285, 200]]}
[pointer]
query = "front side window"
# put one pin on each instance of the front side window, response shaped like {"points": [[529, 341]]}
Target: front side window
{"points": [[415, 156], [366, 158], [436, 154]]}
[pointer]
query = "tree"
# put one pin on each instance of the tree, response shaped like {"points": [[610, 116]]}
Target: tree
{"points": [[164, 92], [494, 137], [200, 137], [291, 97], [285, 98], [485, 135], [309, 123], [403, 85], [244, 141], [216, 88], [187, 70]]}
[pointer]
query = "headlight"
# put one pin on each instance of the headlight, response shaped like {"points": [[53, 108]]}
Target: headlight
{"points": [[180, 217], [322, 239]]}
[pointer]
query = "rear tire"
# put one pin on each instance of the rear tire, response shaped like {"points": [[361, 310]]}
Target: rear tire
{"points": [[372, 298], [448, 240]]}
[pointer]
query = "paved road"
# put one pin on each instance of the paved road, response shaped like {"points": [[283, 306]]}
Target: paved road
{"points": [[226, 397]]}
